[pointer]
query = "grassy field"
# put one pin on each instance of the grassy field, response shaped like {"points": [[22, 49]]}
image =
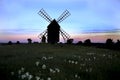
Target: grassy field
{"points": [[58, 62]]}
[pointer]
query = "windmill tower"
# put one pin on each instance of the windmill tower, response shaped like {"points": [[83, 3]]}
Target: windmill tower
{"points": [[53, 31]]}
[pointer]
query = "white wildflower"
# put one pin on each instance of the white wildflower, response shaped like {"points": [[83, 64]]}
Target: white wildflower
{"points": [[82, 59], [37, 63], [85, 59], [27, 73], [104, 55], [76, 62], [90, 53], [89, 59], [76, 75], [58, 70], [74, 56], [90, 70], [51, 57], [69, 61], [72, 62], [51, 70], [23, 76], [109, 56], [42, 79], [19, 72], [12, 73], [65, 60], [94, 57], [37, 78], [86, 70], [22, 69], [30, 77], [48, 78], [43, 66], [80, 67], [82, 64], [65, 79], [44, 58]]}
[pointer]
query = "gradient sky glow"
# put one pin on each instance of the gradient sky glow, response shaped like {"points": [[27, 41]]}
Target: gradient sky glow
{"points": [[94, 19]]}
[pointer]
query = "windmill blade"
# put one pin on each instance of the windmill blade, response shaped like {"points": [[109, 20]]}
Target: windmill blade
{"points": [[63, 16], [44, 33], [64, 35], [43, 14]]}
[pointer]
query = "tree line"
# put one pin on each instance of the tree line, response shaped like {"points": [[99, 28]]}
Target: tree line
{"points": [[109, 44]]}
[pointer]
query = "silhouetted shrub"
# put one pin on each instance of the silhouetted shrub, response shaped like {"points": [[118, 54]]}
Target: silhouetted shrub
{"points": [[117, 44], [43, 39], [70, 41], [35, 42], [79, 43], [10, 43], [109, 43], [18, 42], [29, 41], [87, 42]]}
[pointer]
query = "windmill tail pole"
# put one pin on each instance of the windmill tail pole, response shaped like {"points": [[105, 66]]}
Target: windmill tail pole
{"points": [[65, 33], [65, 37], [42, 34]]}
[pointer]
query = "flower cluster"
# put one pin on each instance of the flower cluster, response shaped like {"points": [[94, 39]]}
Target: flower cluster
{"points": [[50, 68]]}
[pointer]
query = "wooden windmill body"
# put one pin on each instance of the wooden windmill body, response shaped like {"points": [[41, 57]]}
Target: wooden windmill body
{"points": [[53, 29], [53, 32]]}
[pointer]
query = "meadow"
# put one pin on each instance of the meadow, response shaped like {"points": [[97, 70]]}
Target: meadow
{"points": [[58, 62]]}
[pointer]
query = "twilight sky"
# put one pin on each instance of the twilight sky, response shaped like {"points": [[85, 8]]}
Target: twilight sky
{"points": [[94, 19]]}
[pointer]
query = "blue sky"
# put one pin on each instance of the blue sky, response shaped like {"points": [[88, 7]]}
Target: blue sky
{"points": [[19, 17]]}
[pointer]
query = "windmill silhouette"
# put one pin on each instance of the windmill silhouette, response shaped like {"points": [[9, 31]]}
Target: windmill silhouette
{"points": [[53, 31]]}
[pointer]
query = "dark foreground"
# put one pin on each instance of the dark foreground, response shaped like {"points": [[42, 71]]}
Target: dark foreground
{"points": [[58, 62]]}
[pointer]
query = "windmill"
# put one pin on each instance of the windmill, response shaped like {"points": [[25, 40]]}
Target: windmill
{"points": [[53, 31]]}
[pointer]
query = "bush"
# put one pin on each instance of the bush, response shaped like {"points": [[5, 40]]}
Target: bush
{"points": [[109, 43], [79, 43], [18, 42], [70, 41], [87, 42], [10, 43], [29, 41]]}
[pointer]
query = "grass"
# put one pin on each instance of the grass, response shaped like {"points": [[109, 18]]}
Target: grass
{"points": [[61, 62]]}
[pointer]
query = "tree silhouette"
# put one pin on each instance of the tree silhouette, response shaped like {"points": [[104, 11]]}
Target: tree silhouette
{"points": [[35, 42], [79, 43], [87, 42], [18, 42], [29, 41], [117, 44], [70, 41], [10, 43], [43, 39], [109, 43]]}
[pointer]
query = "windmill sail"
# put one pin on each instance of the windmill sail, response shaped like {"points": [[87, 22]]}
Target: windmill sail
{"points": [[43, 14], [53, 29], [63, 16]]}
